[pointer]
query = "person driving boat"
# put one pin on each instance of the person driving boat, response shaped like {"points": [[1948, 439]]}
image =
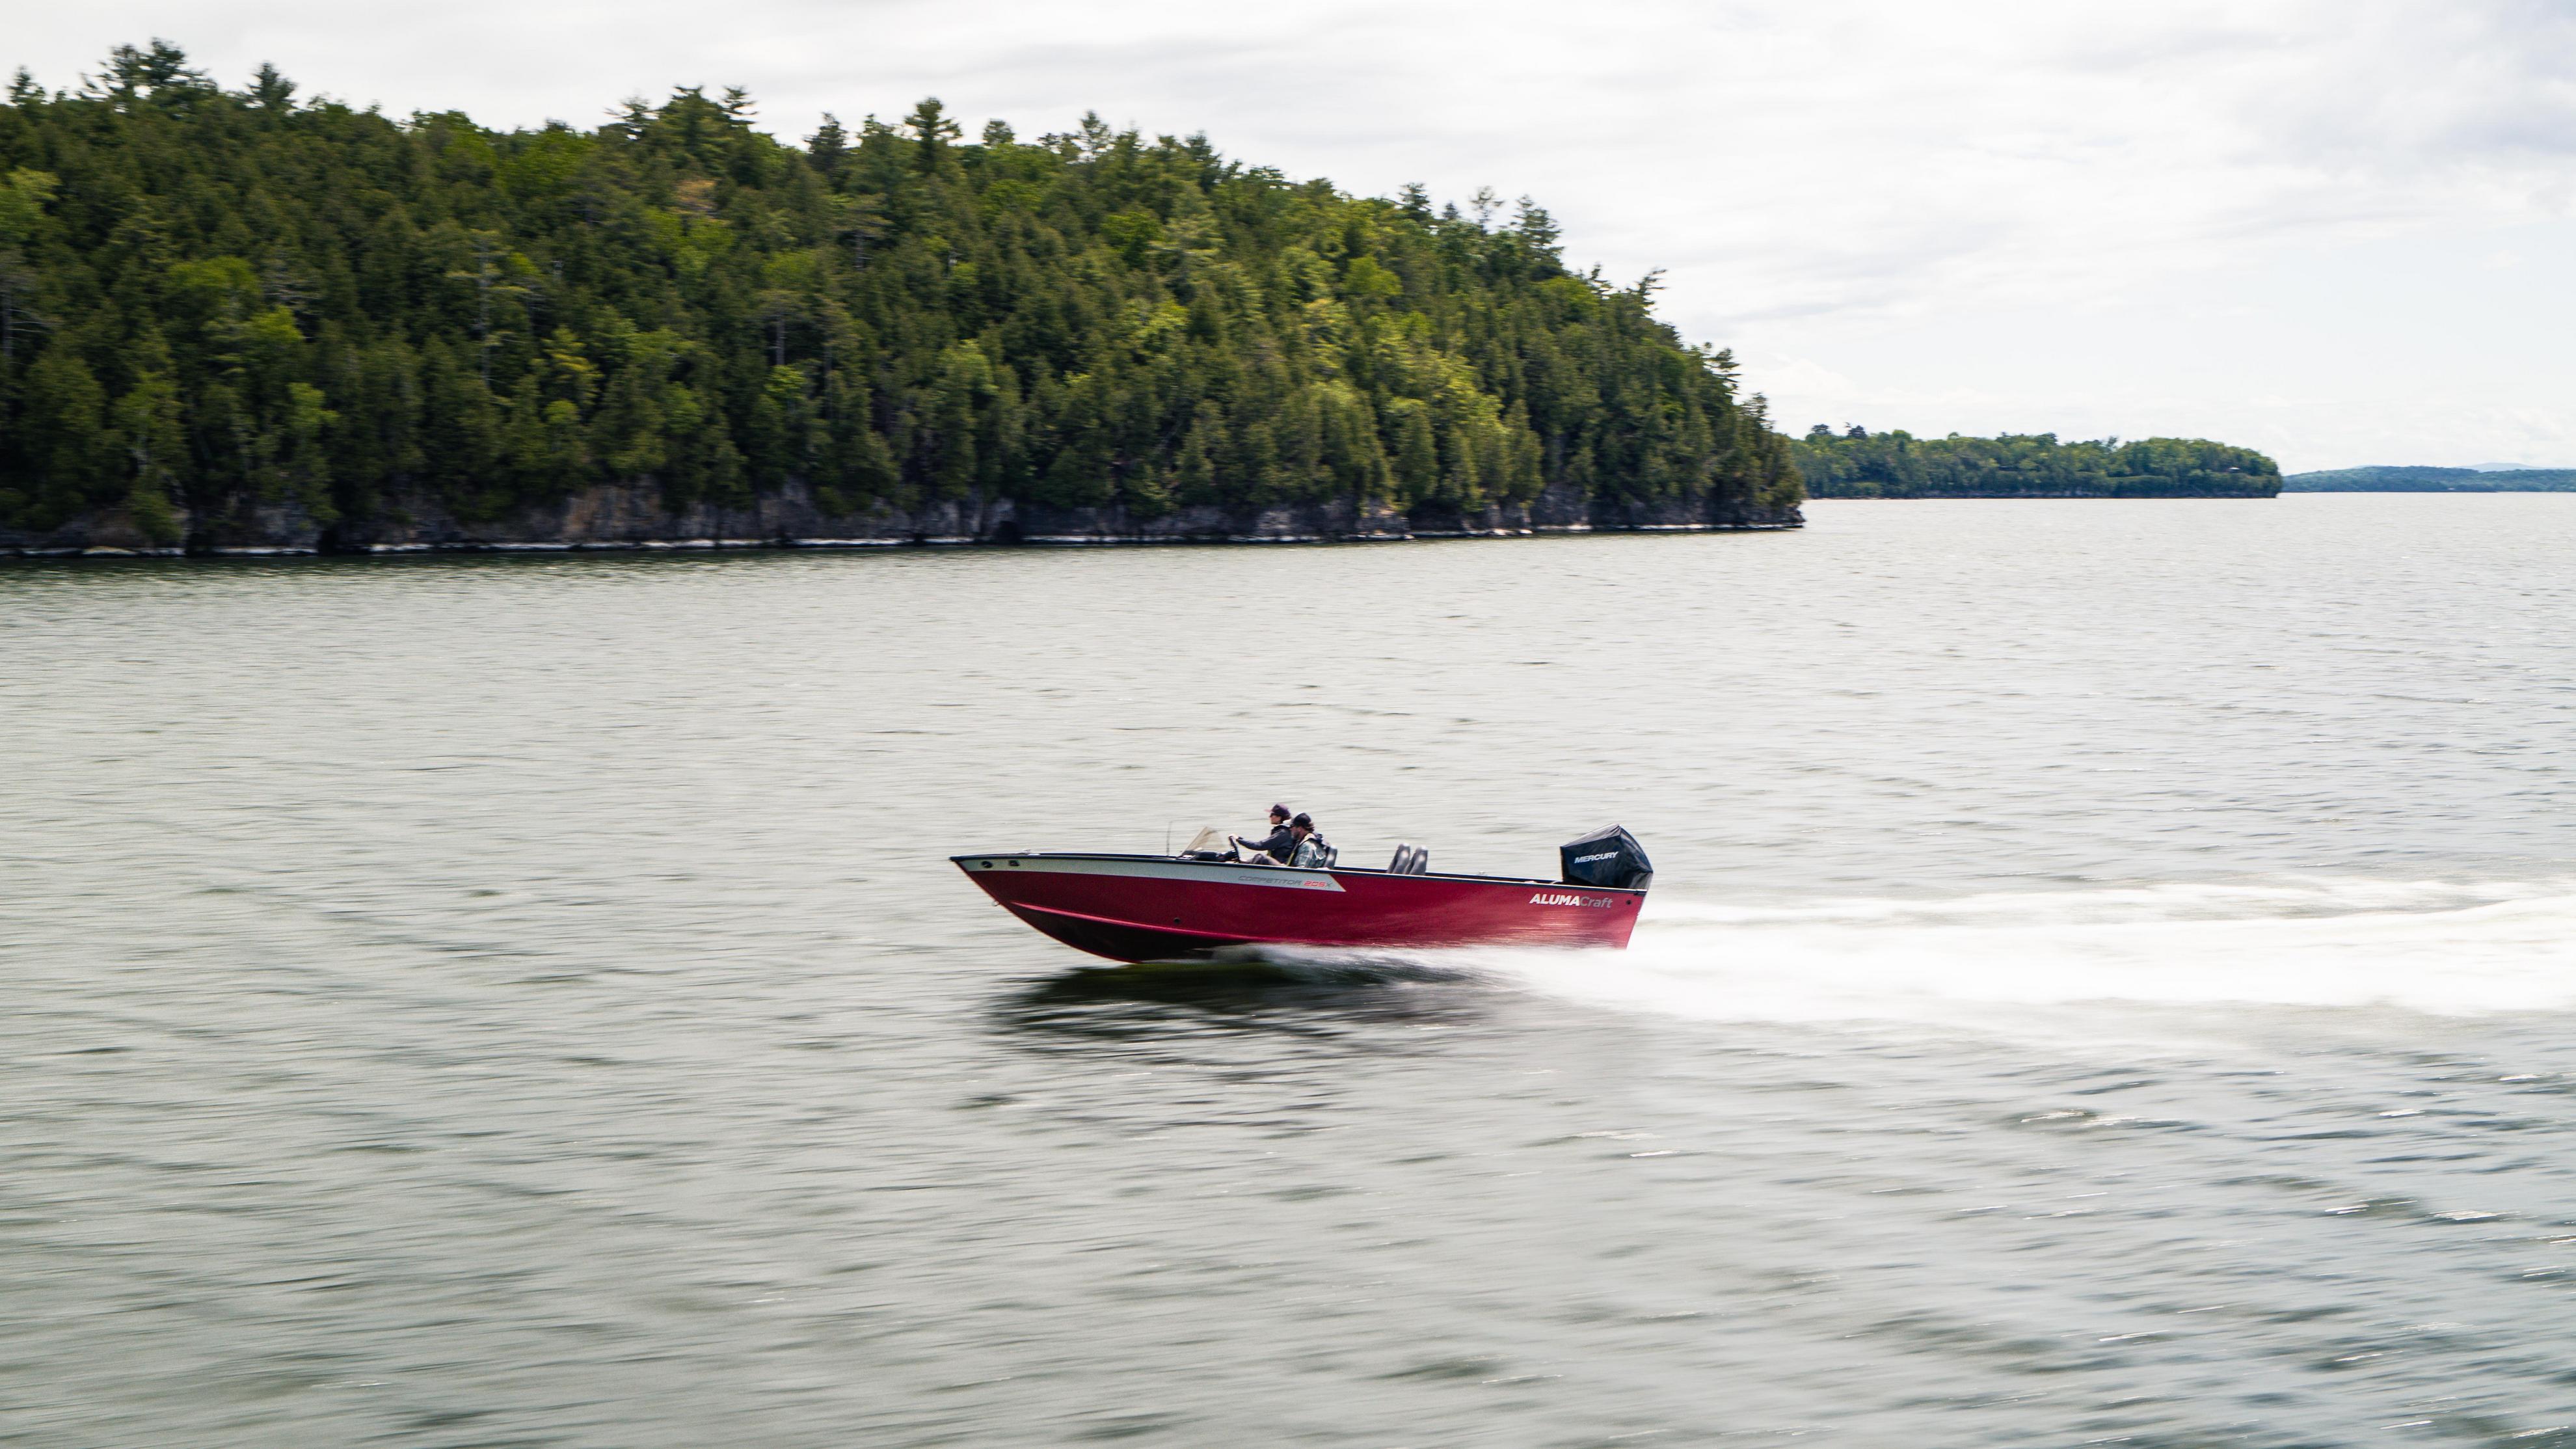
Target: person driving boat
{"points": [[1281, 843]]}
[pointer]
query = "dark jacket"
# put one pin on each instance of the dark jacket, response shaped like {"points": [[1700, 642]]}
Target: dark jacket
{"points": [[1281, 844]]}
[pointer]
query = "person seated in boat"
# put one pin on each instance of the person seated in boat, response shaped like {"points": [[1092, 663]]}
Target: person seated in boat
{"points": [[1280, 844], [1313, 851]]}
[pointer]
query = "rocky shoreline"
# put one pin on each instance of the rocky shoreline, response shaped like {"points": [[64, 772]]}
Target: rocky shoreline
{"points": [[630, 516]]}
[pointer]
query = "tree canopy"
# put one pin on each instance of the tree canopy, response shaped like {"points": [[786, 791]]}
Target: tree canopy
{"points": [[1857, 463], [214, 301]]}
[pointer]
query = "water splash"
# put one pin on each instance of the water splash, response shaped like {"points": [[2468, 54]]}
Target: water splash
{"points": [[2449, 948]]}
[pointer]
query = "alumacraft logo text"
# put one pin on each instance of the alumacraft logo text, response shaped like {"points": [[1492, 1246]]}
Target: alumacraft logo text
{"points": [[1561, 898]]}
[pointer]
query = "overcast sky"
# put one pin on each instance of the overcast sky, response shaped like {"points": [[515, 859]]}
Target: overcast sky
{"points": [[2337, 230]]}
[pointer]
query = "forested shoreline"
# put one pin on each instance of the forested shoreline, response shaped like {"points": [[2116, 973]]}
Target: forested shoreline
{"points": [[229, 316], [1857, 463], [2382, 478]]}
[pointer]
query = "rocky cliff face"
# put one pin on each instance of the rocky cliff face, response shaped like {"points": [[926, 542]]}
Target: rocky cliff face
{"points": [[631, 515]]}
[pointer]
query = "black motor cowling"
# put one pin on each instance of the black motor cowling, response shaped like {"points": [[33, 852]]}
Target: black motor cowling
{"points": [[1609, 856]]}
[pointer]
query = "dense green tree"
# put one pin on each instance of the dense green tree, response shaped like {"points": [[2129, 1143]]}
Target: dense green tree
{"points": [[221, 301], [1857, 463]]}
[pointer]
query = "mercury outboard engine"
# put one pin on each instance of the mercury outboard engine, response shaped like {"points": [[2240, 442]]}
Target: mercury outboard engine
{"points": [[1609, 856]]}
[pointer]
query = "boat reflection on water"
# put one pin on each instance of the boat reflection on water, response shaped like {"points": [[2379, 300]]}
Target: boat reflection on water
{"points": [[1304, 994]]}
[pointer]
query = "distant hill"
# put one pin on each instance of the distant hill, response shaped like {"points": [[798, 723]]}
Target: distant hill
{"points": [[242, 319], [2432, 480], [1858, 463]]}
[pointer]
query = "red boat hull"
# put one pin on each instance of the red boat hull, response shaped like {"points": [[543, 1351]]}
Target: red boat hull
{"points": [[1154, 908]]}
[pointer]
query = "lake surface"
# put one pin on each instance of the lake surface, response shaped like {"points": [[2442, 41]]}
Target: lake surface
{"points": [[2111, 977]]}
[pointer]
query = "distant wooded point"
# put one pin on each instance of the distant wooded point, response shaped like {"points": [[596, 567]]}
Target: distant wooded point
{"points": [[219, 304], [2432, 480], [1857, 463]]}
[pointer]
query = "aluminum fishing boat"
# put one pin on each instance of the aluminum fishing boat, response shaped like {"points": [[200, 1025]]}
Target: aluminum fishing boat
{"points": [[1202, 902]]}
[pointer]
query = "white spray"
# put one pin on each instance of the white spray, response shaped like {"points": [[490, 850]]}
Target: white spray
{"points": [[2429, 946]]}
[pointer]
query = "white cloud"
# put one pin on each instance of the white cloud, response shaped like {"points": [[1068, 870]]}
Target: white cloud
{"points": [[2047, 188]]}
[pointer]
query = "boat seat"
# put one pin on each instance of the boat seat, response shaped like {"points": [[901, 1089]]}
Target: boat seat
{"points": [[1409, 860]]}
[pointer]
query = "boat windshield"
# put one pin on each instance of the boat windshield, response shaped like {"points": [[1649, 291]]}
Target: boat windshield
{"points": [[1209, 841]]}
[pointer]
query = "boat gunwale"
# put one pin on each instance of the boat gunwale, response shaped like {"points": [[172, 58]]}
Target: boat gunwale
{"points": [[1511, 880]]}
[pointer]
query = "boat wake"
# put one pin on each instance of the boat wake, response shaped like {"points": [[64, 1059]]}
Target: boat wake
{"points": [[2448, 948]]}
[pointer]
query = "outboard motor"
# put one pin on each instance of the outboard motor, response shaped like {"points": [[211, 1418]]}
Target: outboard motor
{"points": [[1609, 856]]}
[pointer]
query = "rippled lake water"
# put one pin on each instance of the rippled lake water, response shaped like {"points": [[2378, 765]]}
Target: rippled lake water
{"points": [[2109, 978]]}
